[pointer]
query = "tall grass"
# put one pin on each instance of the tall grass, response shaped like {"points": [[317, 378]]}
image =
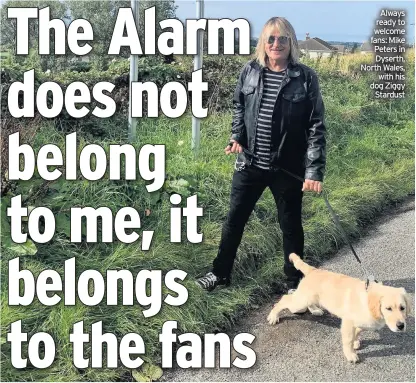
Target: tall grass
{"points": [[370, 163]]}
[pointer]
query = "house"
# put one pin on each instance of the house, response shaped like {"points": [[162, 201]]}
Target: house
{"points": [[316, 47], [366, 48], [341, 49]]}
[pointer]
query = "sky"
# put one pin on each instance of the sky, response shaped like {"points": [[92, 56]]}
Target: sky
{"points": [[334, 20], [328, 20]]}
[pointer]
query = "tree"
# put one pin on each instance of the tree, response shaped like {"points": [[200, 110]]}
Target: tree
{"points": [[8, 26], [103, 14]]}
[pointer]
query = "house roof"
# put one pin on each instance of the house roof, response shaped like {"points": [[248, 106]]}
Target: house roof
{"points": [[366, 47], [316, 44], [341, 48]]}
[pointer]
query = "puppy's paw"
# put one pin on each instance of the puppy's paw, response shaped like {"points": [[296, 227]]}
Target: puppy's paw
{"points": [[315, 310], [357, 344], [273, 318], [352, 357]]}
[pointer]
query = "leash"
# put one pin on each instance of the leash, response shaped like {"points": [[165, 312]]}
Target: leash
{"points": [[335, 218], [369, 277]]}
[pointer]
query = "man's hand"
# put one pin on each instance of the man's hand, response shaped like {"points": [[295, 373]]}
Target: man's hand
{"points": [[234, 148], [312, 186]]}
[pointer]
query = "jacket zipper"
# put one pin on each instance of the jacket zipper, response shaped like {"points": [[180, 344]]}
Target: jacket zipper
{"points": [[257, 115], [285, 81]]}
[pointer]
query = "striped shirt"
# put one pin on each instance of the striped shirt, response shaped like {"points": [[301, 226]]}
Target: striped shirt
{"points": [[271, 85]]}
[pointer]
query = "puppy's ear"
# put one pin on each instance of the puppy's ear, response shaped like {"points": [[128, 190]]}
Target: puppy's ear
{"points": [[408, 303], [374, 304]]}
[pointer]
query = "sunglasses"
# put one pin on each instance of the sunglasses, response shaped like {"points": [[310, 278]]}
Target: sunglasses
{"points": [[283, 40]]}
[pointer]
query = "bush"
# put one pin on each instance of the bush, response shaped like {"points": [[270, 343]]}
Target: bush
{"points": [[79, 66]]}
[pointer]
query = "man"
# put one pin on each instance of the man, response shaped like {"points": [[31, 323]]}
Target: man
{"points": [[278, 131]]}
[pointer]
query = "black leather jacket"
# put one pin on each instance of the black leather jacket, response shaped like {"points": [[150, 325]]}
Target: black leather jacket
{"points": [[298, 129]]}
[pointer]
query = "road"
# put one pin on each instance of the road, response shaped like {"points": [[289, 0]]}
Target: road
{"points": [[308, 348]]}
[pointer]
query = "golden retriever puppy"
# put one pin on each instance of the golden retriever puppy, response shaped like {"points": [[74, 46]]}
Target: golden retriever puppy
{"points": [[347, 298]]}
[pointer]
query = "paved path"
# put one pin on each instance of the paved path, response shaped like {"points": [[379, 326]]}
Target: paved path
{"points": [[308, 348]]}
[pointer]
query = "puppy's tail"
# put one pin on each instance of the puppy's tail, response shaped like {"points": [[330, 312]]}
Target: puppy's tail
{"points": [[300, 265]]}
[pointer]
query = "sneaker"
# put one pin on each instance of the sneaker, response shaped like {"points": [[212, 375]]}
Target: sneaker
{"points": [[211, 281]]}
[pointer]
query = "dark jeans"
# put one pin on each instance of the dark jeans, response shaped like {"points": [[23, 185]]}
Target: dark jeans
{"points": [[247, 187]]}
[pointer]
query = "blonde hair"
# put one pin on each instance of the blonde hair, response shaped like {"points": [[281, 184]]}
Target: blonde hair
{"points": [[285, 29]]}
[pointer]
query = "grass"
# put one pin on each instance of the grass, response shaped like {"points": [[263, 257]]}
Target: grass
{"points": [[370, 164]]}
